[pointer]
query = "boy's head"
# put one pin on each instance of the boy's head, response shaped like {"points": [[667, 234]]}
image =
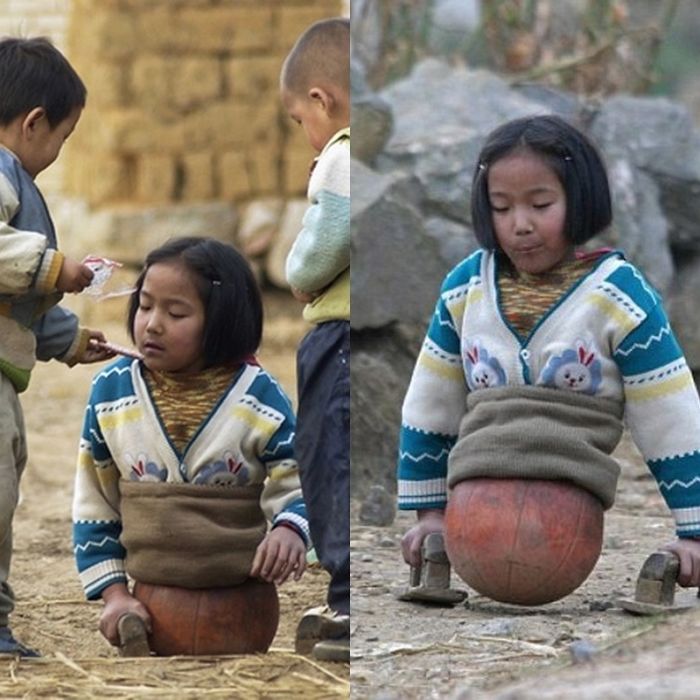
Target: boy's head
{"points": [[41, 98], [315, 80]]}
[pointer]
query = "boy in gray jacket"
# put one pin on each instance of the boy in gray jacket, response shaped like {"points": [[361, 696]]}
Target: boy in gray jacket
{"points": [[41, 99]]}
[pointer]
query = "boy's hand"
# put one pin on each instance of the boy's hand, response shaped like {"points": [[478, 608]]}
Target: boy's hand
{"points": [[74, 276], [118, 602], [304, 297], [687, 549], [96, 351], [281, 554], [428, 521]]}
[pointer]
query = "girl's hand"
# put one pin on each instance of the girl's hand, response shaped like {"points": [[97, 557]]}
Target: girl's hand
{"points": [[281, 554], [428, 521], [687, 549], [118, 602]]}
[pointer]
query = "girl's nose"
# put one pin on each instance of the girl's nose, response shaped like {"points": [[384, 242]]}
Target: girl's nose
{"points": [[154, 325], [523, 225]]}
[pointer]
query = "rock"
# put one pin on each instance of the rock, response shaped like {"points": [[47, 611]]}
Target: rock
{"points": [[582, 651], [411, 221], [682, 306], [372, 122], [380, 366], [396, 268], [259, 225], [378, 507], [289, 227]]}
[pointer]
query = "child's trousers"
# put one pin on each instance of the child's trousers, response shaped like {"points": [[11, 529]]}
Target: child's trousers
{"points": [[13, 458], [323, 450]]}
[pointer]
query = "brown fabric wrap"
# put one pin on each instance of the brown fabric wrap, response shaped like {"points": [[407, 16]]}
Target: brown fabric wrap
{"points": [[190, 535], [534, 432]]}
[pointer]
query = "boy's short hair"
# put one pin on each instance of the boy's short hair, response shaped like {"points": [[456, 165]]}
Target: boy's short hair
{"points": [[573, 158], [321, 55], [34, 73], [233, 310]]}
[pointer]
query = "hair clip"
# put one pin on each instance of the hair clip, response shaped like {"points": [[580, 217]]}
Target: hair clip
{"points": [[567, 157], [482, 166], [216, 283]]}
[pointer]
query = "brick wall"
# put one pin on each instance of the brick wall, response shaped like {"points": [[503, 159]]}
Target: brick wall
{"points": [[183, 132], [38, 18], [183, 100]]}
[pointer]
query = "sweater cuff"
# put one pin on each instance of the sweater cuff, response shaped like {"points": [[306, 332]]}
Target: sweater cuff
{"points": [[77, 348], [296, 523], [50, 269]]}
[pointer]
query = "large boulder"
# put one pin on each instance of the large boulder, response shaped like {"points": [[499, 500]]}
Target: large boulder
{"points": [[411, 221]]}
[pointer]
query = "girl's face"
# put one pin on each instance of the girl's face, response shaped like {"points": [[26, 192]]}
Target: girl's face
{"points": [[528, 210], [169, 321]]}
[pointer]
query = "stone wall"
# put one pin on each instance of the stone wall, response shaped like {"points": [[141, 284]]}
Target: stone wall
{"points": [[38, 18], [183, 131], [183, 100]]}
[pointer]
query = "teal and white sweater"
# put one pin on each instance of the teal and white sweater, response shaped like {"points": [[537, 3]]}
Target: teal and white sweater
{"points": [[607, 337], [246, 440], [320, 256]]}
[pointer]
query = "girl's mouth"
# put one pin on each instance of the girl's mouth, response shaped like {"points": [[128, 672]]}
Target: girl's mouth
{"points": [[151, 348]]}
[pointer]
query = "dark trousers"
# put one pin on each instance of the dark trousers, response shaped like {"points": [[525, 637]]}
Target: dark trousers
{"points": [[323, 450]]}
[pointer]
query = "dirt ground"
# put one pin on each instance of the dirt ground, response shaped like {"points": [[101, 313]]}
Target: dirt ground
{"points": [[51, 613], [583, 646]]}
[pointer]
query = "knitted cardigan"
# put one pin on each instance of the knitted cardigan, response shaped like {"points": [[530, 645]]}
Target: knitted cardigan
{"points": [[608, 337], [247, 440], [320, 256]]}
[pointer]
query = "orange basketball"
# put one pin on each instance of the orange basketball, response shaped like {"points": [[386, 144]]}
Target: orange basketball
{"points": [[524, 541], [237, 620]]}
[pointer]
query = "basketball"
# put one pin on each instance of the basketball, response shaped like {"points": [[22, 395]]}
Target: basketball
{"points": [[523, 541], [236, 620]]}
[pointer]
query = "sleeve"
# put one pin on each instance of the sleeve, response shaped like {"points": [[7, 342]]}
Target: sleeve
{"points": [[433, 407], [25, 261], [58, 336], [97, 527], [282, 499], [321, 250], [662, 411]]}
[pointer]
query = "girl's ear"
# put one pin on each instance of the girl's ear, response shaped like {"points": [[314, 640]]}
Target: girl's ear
{"points": [[322, 97], [32, 120]]}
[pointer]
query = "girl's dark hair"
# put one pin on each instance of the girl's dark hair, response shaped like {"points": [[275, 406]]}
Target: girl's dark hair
{"points": [[572, 157], [34, 73], [233, 310]]}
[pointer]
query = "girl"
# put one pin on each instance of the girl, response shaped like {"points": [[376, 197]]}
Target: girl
{"points": [[529, 324], [195, 420]]}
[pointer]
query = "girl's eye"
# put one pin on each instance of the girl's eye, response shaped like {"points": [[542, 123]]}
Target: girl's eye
{"points": [[176, 316], [144, 307], [499, 210], [542, 206]]}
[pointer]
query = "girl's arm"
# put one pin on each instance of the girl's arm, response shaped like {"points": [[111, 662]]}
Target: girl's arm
{"points": [[432, 410], [96, 518], [662, 411], [283, 551], [119, 602]]}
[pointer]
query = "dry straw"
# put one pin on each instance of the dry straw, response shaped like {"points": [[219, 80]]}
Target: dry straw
{"points": [[278, 674]]}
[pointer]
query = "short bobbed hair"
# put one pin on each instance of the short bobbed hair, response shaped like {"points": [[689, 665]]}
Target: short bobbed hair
{"points": [[233, 310], [572, 157], [34, 73]]}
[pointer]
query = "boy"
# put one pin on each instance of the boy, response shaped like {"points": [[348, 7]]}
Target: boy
{"points": [[41, 99], [315, 91]]}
